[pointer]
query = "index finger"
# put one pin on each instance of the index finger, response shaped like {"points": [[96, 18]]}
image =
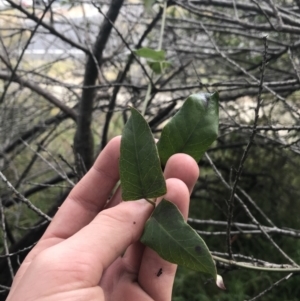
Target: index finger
{"points": [[89, 196]]}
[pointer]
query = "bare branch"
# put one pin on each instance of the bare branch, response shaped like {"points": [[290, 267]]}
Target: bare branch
{"points": [[23, 51], [275, 284], [4, 233], [23, 199], [44, 93], [62, 174], [253, 219], [245, 154]]}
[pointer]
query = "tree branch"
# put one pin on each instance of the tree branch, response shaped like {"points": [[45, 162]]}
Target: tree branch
{"points": [[83, 141], [40, 91]]}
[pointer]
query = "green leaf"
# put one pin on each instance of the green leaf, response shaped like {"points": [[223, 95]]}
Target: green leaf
{"points": [[158, 67], [174, 240], [151, 54], [140, 169], [193, 128]]}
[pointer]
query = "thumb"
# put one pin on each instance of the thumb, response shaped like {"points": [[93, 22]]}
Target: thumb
{"points": [[106, 238]]}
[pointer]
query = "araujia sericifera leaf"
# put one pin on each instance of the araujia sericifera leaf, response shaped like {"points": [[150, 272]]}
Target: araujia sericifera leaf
{"points": [[167, 233], [140, 168], [193, 128]]}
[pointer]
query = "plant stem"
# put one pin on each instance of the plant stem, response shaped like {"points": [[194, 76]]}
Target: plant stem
{"points": [[161, 37], [162, 29], [151, 202], [146, 100]]}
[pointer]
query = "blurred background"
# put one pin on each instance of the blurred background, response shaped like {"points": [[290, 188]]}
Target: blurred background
{"points": [[67, 77]]}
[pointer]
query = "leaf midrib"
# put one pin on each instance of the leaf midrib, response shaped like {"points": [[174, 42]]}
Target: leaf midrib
{"points": [[166, 232], [137, 162]]}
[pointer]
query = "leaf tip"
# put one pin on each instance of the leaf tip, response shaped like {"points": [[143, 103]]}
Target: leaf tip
{"points": [[220, 282]]}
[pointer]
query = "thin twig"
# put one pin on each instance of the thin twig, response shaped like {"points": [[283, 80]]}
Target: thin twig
{"points": [[4, 287], [245, 154], [23, 199], [254, 261], [23, 51], [255, 206], [18, 252], [47, 185], [250, 215], [246, 72], [6, 248], [63, 175], [264, 13], [276, 13], [241, 226], [249, 266], [68, 164], [296, 69], [235, 10], [262, 127], [271, 287], [125, 43]]}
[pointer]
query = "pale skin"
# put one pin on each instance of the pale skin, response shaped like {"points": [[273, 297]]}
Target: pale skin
{"points": [[91, 249]]}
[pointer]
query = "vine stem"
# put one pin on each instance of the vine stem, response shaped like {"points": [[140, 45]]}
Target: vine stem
{"points": [[146, 100], [162, 28], [161, 37]]}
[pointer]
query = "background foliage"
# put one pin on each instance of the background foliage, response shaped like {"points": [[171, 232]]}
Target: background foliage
{"points": [[67, 76]]}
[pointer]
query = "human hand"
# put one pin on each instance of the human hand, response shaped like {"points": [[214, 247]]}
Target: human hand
{"points": [[91, 249]]}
